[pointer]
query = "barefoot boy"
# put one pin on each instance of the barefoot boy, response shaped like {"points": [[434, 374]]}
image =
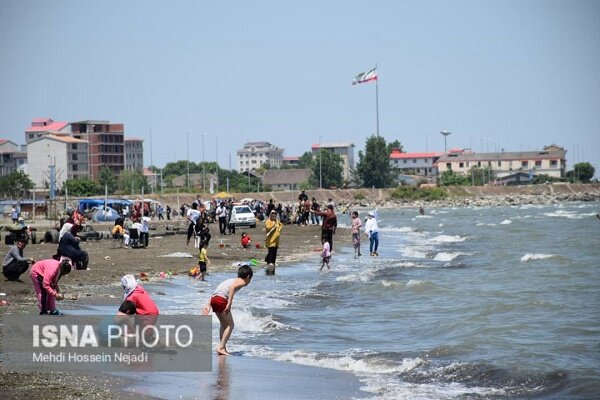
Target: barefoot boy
{"points": [[221, 302]]}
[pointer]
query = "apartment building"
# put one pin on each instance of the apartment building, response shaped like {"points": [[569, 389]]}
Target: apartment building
{"points": [[44, 126], [255, 154], [134, 154], [68, 155], [106, 145], [12, 157]]}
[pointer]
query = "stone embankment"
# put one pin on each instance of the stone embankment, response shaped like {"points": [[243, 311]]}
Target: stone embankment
{"points": [[458, 196]]}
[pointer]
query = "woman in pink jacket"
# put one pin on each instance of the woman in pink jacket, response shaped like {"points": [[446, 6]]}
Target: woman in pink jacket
{"points": [[45, 275]]}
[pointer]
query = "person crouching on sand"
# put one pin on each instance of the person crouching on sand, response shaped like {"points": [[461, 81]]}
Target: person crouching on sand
{"points": [[45, 275], [221, 302], [245, 240], [135, 293]]}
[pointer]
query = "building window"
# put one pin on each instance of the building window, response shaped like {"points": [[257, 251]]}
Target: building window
{"points": [[74, 156], [553, 163], [449, 166], [538, 163], [524, 164], [74, 146], [405, 161], [74, 167], [414, 160], [479, 164], [461, 165], [499, 163]]}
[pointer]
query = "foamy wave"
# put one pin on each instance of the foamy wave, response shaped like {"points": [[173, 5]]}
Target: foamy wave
{"points": [[446, 256], [405, 264], [484, 224], [506, 222], [387, 283], [402, 229], [447, 239], [415, 283], [246, 322], [569, 214], [412, 253], [347, 363], [536, 256]]}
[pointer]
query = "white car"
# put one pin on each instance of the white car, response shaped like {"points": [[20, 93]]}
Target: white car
{"points": [[243, 216]]}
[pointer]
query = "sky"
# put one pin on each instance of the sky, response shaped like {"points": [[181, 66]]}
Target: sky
{"points": [[198, 79]]}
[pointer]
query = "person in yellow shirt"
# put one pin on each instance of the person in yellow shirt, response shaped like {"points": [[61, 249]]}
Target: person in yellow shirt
{"points": [[273, 228], [203, 261], [118, 230]]}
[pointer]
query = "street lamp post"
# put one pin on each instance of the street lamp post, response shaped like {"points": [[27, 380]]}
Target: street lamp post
{"points": [[445, 133], [320, 165]]}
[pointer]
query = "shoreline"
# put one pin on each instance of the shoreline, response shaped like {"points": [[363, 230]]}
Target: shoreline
{"points": [[101, 286]]}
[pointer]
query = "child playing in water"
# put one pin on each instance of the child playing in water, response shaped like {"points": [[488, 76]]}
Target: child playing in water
{"points": [[246, 240], [355, 230], [203, 261], [325, 254], [221, 302]]}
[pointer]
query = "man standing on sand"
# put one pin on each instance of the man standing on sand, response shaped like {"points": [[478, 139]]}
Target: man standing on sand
{"points": [[329, 224]]}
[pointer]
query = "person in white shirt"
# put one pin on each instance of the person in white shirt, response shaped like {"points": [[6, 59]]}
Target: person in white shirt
{"points": [[222, 215], [192, 215], [371, 229], [144, 229]]}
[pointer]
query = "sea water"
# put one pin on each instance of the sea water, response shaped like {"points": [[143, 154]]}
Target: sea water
{"points": [[474, 302]]}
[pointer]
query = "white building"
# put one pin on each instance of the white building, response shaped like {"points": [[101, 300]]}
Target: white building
{"points": [[421, 164], [68, 155], [548, 161], [344, 150], [255, 154], [134, 154]]}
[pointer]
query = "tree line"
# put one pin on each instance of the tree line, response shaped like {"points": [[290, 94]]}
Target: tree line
{"points": [[373, 170]]}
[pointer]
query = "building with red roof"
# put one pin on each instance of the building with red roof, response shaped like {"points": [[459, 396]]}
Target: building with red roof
{"points": [[421, 164]]}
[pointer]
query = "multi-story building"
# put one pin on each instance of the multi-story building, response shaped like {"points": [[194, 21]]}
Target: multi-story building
{"points": [[105, 145], [549, 161], [44, 126], [292, 161], [344, 150], [134, 154], [12, 157], [255, 154], [68, 156], [421, 164]]}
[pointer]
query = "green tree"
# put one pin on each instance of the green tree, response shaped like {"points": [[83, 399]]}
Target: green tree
{"points": [[15, 184], [450, 178], [395, 145], [373, 168], [82, 186], [135, 180], [327, 169], [480, 176], [106, 178], [582, 172], [306, 160]]}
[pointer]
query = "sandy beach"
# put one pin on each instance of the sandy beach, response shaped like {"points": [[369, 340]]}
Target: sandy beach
{"points": [[100, 285]]}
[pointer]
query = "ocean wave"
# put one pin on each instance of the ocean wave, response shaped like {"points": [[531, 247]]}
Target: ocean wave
{"points": [[245, 321], [484, 224], [447, 239], [402, 229], [506, 222], [410, 252], [447, 256], [536, 256], [569, 214]]}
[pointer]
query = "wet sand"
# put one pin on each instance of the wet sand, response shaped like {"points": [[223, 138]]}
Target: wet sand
{"points": [[101, 285]]}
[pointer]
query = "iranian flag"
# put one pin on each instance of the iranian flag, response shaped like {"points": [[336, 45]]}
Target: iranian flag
{"points": [[365, 77]]}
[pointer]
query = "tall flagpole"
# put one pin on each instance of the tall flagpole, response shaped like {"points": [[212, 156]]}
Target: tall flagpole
{"points": [[377, 99]]}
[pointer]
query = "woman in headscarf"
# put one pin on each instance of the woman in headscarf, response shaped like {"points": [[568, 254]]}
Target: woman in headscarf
{"points": [[135, 293], [68, 246], [45, 275]]}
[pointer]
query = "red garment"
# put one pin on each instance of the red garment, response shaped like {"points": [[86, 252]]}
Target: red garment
{"points": [[218, 303], [143, 302], [246, 241], [49, 269]]}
